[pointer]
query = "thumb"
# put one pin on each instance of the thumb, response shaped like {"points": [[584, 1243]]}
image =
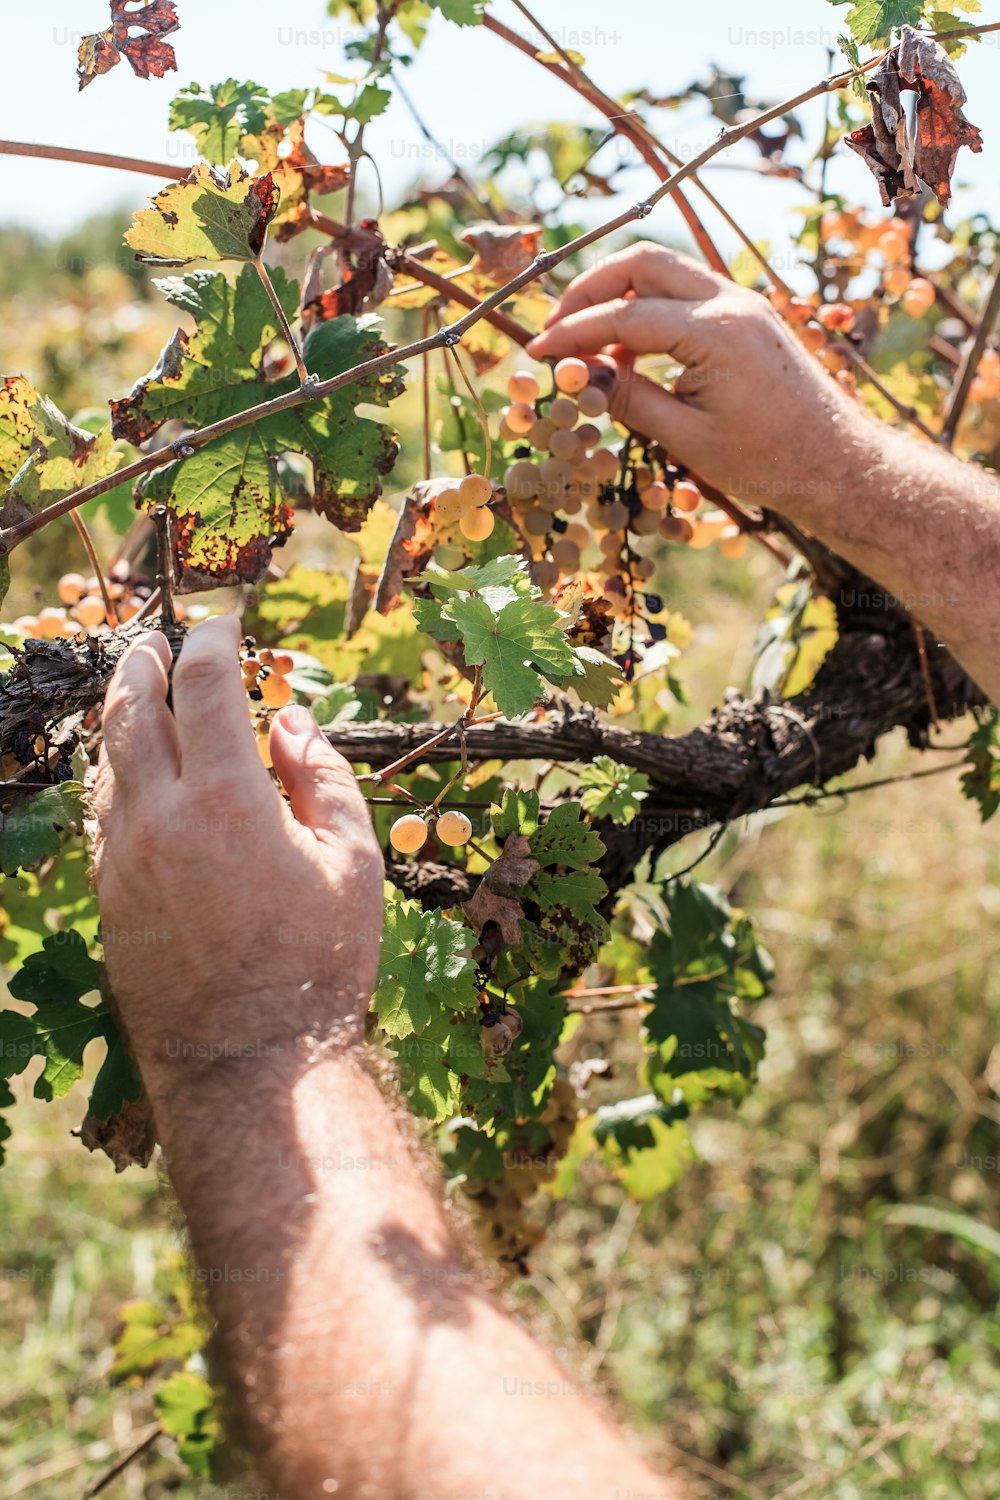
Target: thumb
{"points": [[321, 786]]}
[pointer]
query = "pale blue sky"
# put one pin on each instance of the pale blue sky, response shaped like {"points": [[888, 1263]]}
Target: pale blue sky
{"points": [[470, 87]]}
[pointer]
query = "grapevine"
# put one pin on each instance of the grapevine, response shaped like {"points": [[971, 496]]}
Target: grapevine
{"points": [[524, 589]]}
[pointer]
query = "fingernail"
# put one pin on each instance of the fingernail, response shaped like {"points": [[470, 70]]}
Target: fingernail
{"points": [[296, 719]]}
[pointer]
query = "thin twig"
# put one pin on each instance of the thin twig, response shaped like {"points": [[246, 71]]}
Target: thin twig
{"points": [[970, 362], [161, 518], [110, 1475], [95, 563], [279, 313]]}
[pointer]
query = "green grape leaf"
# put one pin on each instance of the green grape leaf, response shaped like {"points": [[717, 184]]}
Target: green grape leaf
{"points": [[7, 1101], [479, 578], [17, 428], [56, 457], [152, 1335], [612, 791], [795, 637], [573, 891], [425, 1078], [423, 958], [462, 12], [564, 840], [981, 782], [61, 1028], [32, 829], [648, 1158], [188, 1412], [219, 117], [514, 647], [369, 102], [33, 908], [517, 813], [214, 214], [705, 960], [227, 500], [871, 21], [118, 1082], [598, 679]]}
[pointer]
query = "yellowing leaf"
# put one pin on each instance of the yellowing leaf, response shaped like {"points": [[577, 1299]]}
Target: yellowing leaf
{"points": [[213, 214]]}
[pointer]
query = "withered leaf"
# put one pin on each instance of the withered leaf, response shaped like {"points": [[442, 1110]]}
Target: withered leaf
{"points": [[128, 1137], [504, 250], [496, 898], [899, 164], [149, 55], [213, 214]]}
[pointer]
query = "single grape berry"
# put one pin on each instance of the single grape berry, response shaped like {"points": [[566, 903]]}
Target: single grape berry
{"points": [[90, 610], [453, 829], [476, 525], [408, 834], [563, 413], [919, 297], [275, 691], [51, 622], [475, 489], [592, 401], [70, 587], [448, 505], [572, 375], [522, 386]]}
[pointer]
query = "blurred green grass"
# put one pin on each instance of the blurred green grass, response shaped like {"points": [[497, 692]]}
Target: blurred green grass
{"points": [[763, 1326]]}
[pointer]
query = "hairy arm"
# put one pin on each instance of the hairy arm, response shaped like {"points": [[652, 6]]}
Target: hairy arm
{"points": [[759, 419], [366, 1354]]}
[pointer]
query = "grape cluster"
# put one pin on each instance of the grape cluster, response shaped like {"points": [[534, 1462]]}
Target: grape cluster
{"points": [[82, 607], [410, 832], [499, 1205]]}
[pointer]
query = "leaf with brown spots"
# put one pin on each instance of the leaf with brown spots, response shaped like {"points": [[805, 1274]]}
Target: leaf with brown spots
{"points": [[497, 897], [148, 54], [899, 164], [214, 214], [227, 500], [42, 455]]}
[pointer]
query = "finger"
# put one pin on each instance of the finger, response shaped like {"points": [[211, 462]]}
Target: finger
{"points": [[643, 406], [321, 786], [210, 705], [647, 270], [139, 731], [651, 326]]}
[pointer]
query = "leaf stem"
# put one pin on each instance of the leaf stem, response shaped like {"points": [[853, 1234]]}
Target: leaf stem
{"points": [[95, 563], [279, 313]]}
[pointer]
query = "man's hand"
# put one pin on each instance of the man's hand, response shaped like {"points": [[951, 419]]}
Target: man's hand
{"points": [[752, 413], [259, 919]]}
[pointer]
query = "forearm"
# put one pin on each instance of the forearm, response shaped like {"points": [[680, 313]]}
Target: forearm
{"points": [[362, 1346], [922, 525]]}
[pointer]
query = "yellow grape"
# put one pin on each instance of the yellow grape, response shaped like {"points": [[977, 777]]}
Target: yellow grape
{"points": [[709, 529], [477, 524], [897, 280], [588, 434], [615, 515], [676, 529], [566, 555], [572, 375], [522, 387], [27, 625], [51, 622], [570, 503], [578, 533], [686, 496], [453, 829], [592, 401], [655, 496], [555, 471], [507, 434], [448, 505], [538, 522], [733, 542], [646, 522], [70, 587], [919, 297], [540, 434], [521, 480], [264, 745], [282, 664], [611, 543], [605, 464], [837, 316], [811, 338], [408, 834], [275, 691], [547, 575], [563, 412], [475, 489], [564, 444], [520, 417], [644, 567]]}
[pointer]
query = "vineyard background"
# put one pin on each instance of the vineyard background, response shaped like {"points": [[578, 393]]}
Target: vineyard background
{"points": [[764, 1317]]}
